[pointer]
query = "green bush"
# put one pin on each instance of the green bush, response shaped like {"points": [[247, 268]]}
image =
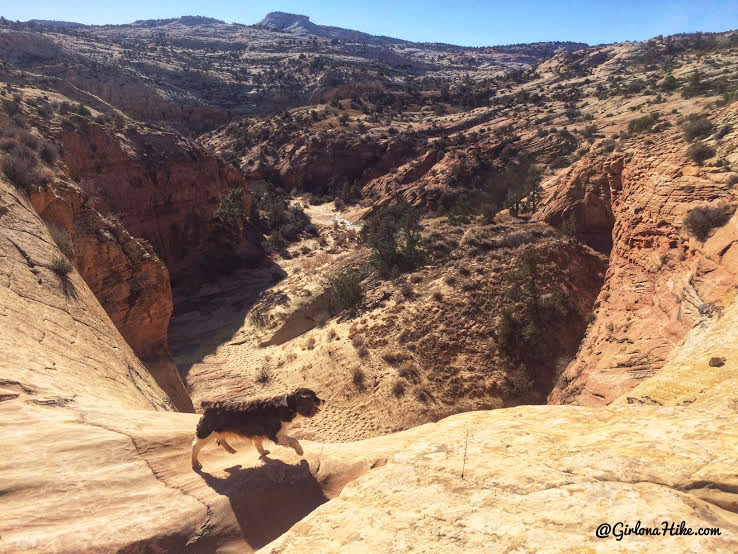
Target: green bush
{"points": [[345, 293], [230, 210], [702, 220], [699, 152], [643, 124], [696, 127], [393, 233], [521, 329]]}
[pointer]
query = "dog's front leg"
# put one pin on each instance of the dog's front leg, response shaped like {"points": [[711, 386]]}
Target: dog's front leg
{"points": [[285, 440]]}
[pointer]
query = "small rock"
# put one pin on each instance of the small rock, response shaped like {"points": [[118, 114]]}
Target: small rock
{"points": [[717, 362]]}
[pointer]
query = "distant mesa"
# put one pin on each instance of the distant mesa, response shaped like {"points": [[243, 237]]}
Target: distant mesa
{"points": [[187, 20], [283, 21], [53, 23]]}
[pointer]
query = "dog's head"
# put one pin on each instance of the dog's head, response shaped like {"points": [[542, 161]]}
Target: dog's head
{"points": [[307, 402]]}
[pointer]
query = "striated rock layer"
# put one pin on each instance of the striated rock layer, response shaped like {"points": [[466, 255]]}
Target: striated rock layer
{"points": [[58, 344], [126, 276], [163, 188], [661, 281]]}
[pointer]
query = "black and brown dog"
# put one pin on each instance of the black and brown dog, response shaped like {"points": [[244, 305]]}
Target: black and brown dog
{"points": [[256, 420]]}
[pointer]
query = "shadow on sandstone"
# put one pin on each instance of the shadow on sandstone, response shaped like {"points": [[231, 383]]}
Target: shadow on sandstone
{"points": [[269, 499]]}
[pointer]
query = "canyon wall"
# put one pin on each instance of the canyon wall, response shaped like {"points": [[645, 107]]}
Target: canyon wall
{"points": [[125, 274], [164, 189], [661, 281], [59, 347]]}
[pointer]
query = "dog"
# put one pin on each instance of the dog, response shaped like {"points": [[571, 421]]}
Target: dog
{"points": [[255, 420]]}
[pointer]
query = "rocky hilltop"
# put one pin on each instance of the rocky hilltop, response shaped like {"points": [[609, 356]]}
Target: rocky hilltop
{"points": [[512, 272]]}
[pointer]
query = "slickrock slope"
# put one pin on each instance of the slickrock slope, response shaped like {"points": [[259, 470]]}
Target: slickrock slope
{"points": [[537, 479], [125, 274], [661, 281], [58, 345]]}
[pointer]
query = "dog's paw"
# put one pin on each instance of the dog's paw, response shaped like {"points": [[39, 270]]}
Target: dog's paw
{"points": [[196, 466], [263, 453], [298, 450]]}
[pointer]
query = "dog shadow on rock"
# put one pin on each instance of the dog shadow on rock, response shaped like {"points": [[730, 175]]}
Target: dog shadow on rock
{"points": [[269, 499]]}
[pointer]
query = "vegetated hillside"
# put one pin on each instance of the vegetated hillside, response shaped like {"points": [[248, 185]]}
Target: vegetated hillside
{"points": [[393, 352], [192, 74]]}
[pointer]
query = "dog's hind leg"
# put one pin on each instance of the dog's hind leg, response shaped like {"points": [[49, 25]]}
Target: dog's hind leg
{"points": [[259, 446], [227, 447], [197, 445]]}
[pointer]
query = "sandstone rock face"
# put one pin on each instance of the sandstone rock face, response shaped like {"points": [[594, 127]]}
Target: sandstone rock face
{"points": [[162, 188], [661, 282], [536, 479], [126, 276], [121, 480], [58, 344]]}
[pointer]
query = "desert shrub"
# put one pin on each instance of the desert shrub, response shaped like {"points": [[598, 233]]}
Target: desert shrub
{"points": [[700, 152], [263, 376], [407, 370], [61, 238], [10, 107], [345, 293], [393, 233], [82, 110], [669, 83], [643, 124], [61, 266], [48, 154], [695, 127], [589, 131], [276, 241], [396, 356], [558, 162], [398, 388], [258, 318], [422, 393], [358, 377], [29, 139], [702, 220], [527, 311], [271, 212], [230, 210], [20, 166]]}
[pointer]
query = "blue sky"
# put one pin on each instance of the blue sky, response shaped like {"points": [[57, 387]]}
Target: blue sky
{"points": [[466, 22]]}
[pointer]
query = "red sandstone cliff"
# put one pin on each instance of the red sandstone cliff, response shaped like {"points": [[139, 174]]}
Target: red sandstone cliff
{"points": [[661, 281], [126, 276], [161, 187]]}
